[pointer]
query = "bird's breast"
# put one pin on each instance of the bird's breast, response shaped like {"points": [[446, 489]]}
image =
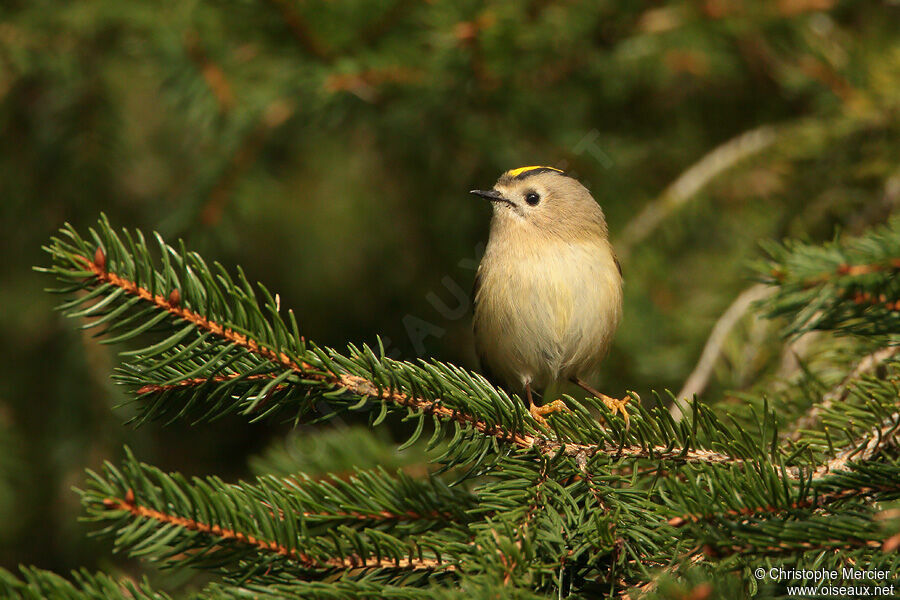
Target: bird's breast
{"points": [[546, 311]]}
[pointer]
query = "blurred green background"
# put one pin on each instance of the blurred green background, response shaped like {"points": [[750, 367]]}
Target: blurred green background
{"points": [[328, 148]]}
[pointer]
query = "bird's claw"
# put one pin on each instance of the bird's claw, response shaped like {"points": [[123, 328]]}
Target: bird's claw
{"points": [[538, 412], [617, 406]]}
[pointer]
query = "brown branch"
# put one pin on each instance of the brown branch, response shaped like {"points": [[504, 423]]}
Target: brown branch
{"points": [[352, 383], [173, 307], [880, 437], [349, 562], [819, 501], [854, 270], [154, 388]]}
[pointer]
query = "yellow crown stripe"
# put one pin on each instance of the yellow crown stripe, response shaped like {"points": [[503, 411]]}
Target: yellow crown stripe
{"points": [[520, 170]]}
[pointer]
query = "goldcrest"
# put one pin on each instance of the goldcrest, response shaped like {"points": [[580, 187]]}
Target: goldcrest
{"points": [[548, 292]]}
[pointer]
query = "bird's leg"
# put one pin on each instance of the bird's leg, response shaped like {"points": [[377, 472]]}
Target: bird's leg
{"points": [[616, 405], [538, 412]]}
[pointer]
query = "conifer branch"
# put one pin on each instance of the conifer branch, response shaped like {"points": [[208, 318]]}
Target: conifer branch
{"points": [[834, 544], [313, 526], [819, 501], [171, 305], [469, 585], [331, 377], [866, 365], [196, 382], [281, 364], [859, 450], [382, 515], [843, 270], [836, 286], [129, 504], [38, 584], [225, 352], [352, 383], [865, 447], [869, 299]]}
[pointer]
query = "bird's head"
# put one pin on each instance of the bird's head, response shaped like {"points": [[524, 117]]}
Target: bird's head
{"points": [[545, 201]]}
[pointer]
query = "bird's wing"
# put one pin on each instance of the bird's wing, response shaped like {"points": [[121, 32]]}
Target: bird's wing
{"points": [[479, 352]]}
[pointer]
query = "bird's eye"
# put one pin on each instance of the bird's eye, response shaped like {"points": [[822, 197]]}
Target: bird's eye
{"points": [[532, 198]]}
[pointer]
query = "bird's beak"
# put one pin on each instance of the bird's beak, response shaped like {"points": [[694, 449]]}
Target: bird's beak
{"points": [[492, 195]]}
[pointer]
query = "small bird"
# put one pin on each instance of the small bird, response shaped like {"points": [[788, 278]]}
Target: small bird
{"points": [[548, 292]]}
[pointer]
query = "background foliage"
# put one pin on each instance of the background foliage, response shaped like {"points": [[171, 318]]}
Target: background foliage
{"points": [[328, 147]]}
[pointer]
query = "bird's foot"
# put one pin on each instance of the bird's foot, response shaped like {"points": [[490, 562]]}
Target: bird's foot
{"points": [[538, 412], [617, 406]]}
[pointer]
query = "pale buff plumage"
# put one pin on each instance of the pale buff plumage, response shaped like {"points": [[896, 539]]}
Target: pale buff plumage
{"points": [[549, 289]]}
